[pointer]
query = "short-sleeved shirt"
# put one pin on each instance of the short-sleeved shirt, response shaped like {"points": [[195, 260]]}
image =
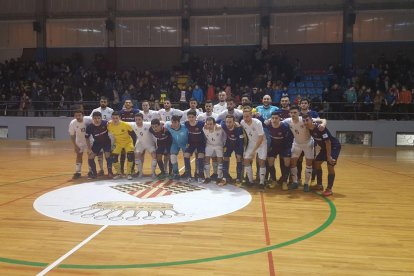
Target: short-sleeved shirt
{"points": [[299, 130], [163, 137], [128, 115], [78, 129], [106, 112], [99, 133], [254, 130], [195, 133], [321, 136], [152, 114], [214, 138], [280, 137], [167, 115], [203, 116], [144, 136], [179, 136]]}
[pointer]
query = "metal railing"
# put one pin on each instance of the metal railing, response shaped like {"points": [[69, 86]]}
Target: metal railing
{"points": [[332, 111]]}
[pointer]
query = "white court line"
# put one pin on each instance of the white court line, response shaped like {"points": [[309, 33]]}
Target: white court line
{"points": [[73, 250], [58, 261]]}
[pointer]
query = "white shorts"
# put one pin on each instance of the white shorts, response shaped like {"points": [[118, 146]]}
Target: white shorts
{"points": [[261, 151], [306, 148], [140, 148], [82, 146], [214, 151]]}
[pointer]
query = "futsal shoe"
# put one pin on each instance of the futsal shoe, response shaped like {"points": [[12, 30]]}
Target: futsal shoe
{"points": [[200, 180], [161, 176], [306, 188], [129, 177], [101, 173], [293, 186], [327, 192], [76, 175], [91, 175], [206, 181], [272, 184], [214, 176], [117, 176], [110, 176], [300, 182], [262, 187], [285, 186], [238, 183], [222, 182]]}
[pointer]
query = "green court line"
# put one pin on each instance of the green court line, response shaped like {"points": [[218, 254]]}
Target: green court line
{"points": [[326, 224]]}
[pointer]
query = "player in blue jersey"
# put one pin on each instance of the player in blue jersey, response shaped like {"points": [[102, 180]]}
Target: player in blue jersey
{"points": [[196, 143], [266, 109], [329, 152], [99, 131], [280, 145], [235, 138], [179, 134]]}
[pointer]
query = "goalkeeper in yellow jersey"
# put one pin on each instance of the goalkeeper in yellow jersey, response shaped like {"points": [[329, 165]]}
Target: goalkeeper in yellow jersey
{"points": [[123, 134]]}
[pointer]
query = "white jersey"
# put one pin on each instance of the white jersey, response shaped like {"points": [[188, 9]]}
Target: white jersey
{"points": [[300, 132], [253, 131], [184, 117], [214, 138], [166, 115], [238, 114], [152, 114], [106, 113], [218, 108], [79, 129], [144, 136], [203, 116]]}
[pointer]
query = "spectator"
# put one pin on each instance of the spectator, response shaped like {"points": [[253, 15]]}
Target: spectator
{"points": [[198, 94]]}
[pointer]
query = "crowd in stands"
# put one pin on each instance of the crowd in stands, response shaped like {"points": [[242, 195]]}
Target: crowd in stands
{"points": [[382, 90]]}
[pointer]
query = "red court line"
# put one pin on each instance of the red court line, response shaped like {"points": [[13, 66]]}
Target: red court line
{"points": [[14, 200], [266, 228]]}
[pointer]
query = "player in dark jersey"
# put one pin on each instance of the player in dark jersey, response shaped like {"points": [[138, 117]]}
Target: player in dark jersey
{"points": [[234, 143], [280, 144], [196, 143], [329, 152], [284, 111], [164, 140], [127, 114], [99, 132]]}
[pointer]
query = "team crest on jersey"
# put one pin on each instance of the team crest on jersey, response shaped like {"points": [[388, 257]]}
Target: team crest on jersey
{"points": [[140, 202]]}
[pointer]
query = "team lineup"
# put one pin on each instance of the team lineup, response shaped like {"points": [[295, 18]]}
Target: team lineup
{"points": [[127, 137]]}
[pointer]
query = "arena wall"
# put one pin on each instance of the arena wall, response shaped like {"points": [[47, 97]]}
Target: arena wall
{"points": [[383, 132]]}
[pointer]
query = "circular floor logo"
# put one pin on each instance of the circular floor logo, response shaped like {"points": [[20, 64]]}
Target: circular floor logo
{"points": [[140, 202]]}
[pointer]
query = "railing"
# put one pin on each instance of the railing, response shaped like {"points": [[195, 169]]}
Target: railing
{"points": [[331, 111]]}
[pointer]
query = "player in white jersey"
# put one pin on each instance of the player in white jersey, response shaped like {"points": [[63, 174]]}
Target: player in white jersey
{"points": [[238, 114], [193, 106], [209, 112], [104, 109], [222, 105], [145, 143], [148, 113], [256, 144], [167, 112], [77, 131], [202, 118], [214, 148], [106, 115], [302, 141]]}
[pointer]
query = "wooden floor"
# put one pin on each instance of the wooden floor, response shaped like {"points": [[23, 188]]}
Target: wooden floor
{"points": [[366, 228]]}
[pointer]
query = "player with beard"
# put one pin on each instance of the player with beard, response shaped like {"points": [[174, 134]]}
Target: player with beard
{"points": [[167, 112], [238, 114], [149, 114]]}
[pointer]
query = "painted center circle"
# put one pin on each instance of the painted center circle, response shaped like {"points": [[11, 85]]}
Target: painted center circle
{"points": [[140, 202]]}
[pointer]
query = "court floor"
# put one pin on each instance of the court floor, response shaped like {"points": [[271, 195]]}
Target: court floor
{"points": [[365, 228]]}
